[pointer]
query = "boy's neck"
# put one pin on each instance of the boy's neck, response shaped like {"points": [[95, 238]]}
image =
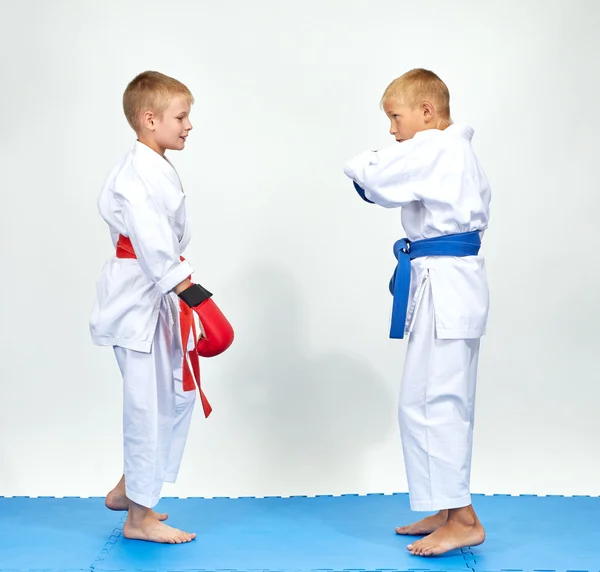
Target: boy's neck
{"points": [[152, 144]]}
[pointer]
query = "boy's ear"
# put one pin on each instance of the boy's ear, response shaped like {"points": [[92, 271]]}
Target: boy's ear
{"points": [[427, 111], [149, 120]]}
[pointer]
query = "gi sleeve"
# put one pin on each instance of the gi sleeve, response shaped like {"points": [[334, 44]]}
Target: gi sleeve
{"points": [[156, 245], [391, 177]]}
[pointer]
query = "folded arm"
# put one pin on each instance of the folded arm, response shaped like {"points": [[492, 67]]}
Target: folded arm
{"points": [[389, 177]]}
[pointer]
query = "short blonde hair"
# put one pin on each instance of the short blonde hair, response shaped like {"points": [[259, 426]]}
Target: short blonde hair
{"points": [[419, 85], [153, 91]]}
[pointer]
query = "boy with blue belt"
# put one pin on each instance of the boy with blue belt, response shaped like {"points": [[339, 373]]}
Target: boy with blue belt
{"points": [[440, 298]]}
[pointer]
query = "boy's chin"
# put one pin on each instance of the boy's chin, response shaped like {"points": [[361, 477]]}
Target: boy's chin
{"points": [[179, 146]]}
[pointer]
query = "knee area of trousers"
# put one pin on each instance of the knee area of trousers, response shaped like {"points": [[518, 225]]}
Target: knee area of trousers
{"points": [[189, 398], [185, 401], [409, 415]]}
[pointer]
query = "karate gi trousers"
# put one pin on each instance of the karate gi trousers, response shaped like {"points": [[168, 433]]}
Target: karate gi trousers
{"points": [[436, 413], [156, 410]]}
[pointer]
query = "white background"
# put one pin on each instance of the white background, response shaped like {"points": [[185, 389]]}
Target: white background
{"points": [[287, 91]]}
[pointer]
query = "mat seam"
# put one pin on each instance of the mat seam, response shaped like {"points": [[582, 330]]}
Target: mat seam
{"points": [[303, 496], [469, 557], [108, 546]]}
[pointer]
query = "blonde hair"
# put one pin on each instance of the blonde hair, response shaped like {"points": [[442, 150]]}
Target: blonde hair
{"points": [[419, 85], [153, 91]]}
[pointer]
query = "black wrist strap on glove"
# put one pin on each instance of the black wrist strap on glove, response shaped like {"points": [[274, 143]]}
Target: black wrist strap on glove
{"points": [[195, 295]]}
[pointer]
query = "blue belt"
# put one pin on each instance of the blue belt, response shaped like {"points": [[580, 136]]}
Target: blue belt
{"points": [[464, 244]]}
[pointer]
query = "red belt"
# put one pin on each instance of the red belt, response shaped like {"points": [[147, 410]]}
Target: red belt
{"points": [[191, 360]]}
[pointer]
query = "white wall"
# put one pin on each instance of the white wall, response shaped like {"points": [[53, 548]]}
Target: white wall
{"points": [[305, 401]]}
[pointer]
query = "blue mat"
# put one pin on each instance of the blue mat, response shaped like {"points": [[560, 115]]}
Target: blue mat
{"points": [[54, 534], [532, 534], [526, 534], [332, 533]]}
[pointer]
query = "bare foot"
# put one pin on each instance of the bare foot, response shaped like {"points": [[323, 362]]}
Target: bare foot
{"points": [[462, 529], [140, 526], [426, 526], [117, 500]]}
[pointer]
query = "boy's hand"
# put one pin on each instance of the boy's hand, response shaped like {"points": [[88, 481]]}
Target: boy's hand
{"points": [[218, 333], [361, 192]]}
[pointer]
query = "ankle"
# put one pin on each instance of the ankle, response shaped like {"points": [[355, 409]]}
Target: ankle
{"points": [[137, 513], [464, 516]]}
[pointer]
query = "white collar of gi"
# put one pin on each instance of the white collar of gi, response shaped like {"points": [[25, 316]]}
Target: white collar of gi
{"points": [[162, 163], [464, 131]]}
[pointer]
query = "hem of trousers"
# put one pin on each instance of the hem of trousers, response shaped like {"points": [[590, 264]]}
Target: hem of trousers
{"points": [[143, 500], [440, 504]]}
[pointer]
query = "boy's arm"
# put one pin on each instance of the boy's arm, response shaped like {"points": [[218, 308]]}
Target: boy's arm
{"points": [[386, 177], [157, 251], [182, 286], [155, 244]]}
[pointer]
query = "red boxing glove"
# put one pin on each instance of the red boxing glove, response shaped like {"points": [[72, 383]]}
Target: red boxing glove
{"points": [[218, 333]]}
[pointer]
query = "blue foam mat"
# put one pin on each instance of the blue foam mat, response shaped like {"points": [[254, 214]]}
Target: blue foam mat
{"points": [[53, 533], [332, 533], [528, 534], [531, 534]]}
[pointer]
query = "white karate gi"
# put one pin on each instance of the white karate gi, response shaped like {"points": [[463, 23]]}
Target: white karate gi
{"points": [[437, 180], [137, 313]]}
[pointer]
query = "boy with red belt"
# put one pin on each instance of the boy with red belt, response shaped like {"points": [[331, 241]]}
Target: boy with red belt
{"points": [[147, 307]]}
